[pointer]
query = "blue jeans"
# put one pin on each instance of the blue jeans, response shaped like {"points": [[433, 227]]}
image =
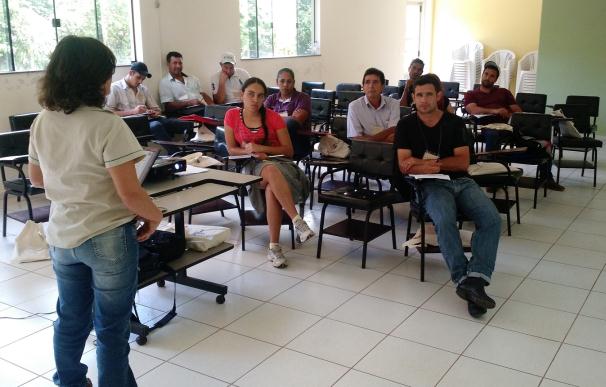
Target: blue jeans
{"points": [[442, 200], [97, 282]]}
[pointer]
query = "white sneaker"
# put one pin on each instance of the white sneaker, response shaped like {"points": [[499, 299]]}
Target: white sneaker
{"points": [[276, 257], [303, 230]]}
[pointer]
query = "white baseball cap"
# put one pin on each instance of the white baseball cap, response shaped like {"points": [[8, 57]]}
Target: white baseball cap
{"points": [[228, 57]]}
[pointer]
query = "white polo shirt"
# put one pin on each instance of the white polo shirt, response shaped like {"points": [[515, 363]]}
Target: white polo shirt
{"points": [[233, 85], [172, 89], [74, 152], [122, 97], [364, 120]]}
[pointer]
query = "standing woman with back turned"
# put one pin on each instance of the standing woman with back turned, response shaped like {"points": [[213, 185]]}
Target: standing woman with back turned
{"points": [[85, 158], [260, 132]]}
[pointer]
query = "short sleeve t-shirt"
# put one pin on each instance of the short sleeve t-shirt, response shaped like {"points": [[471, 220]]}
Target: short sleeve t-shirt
{"points": [[74, 151], [497, 98], [242, 133], [296, 101], [172, 89], [440, 140]]}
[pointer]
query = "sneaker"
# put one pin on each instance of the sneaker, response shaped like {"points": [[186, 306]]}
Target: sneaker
{"points": [[472, 290], [276, 257], [303, 230]]}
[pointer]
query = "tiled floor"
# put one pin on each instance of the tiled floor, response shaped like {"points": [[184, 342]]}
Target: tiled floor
{"points": [[328, 322]]}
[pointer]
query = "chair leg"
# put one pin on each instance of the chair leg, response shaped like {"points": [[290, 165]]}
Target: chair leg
{"points": [[393, 226], [508, 211], [365, 246], [4, 212], [408, 232], [560, 152], [311, 191], [189, 216], [422, 251], [30, 211], [536, 187], [321, 231], [594, 155], [584, 161], [292, 235], [517, 204]]}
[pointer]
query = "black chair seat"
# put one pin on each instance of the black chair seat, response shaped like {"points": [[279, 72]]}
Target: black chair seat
{"points": [[573, 142], [16, 186], [361, 199]]}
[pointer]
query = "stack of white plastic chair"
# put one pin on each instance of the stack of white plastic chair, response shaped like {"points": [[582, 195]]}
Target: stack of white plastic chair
{"points": [[526, 79], [467, 65], [506, 60]]}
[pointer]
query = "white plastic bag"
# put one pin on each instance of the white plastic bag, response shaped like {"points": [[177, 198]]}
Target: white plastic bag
{"points": [[203, 134], [567, 128], [30, 244], [333, 147], [199, 237]]}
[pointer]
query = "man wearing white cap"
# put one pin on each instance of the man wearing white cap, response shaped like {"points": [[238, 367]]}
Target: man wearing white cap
{"points": [[226, 84]]}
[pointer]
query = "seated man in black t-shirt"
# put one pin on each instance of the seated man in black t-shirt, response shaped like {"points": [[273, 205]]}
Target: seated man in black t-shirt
{"points": [[431, 141]]}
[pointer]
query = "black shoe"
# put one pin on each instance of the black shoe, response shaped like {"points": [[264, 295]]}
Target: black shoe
{"points": [[552, 185], [475, 310], [472, 290]]}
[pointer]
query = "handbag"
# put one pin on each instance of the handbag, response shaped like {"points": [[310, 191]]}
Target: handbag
{"points": [[30, 244], [333, 147]]}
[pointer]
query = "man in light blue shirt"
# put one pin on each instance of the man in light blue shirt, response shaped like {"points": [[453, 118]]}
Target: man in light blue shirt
{"points": [[373, 117]]}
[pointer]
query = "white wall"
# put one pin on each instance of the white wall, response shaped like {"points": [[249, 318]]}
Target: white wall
{"points": [[355, 34]]}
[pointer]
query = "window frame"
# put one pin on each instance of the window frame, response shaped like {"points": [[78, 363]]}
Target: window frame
{"points": [[315, 33], [9, 34]]}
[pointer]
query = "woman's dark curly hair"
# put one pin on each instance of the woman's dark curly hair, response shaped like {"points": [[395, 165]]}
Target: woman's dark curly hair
{"points": [[75, 75]]}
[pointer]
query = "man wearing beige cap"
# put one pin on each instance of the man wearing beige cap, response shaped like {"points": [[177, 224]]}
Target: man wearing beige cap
{"points": [[226, 84]]}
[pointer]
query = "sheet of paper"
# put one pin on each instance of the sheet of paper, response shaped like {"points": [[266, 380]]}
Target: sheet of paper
{"points": [[190, 170], [438, 176]]}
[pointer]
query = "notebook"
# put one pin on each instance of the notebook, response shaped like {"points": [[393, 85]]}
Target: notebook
{"points": [[145, 165]]}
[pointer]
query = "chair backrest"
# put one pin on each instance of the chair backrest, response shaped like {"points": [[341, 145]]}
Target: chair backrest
{"points": [[220, 146], [321, 109], [324, 93], [579, 114], [451, 90], [506, 60], [528, 62], [339, 128], [308, 86], [217, 111], [22, 121], [14, 143], [402, 83], [139, 125], [538, 126], [349, 87], [405, 110], [272, 90], [532, 103], [389, 90], [372, 158], [344, 98], [592, 103]]}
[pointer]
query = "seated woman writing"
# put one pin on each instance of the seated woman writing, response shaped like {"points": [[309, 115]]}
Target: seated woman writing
{"points": [[260, 132]]}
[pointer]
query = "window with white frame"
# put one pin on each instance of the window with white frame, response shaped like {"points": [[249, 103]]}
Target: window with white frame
{"points": [[413, 35], [30, 29], [277, 28]]}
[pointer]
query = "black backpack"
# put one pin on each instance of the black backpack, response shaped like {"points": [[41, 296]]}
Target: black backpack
{"points": [[161, 248], [154, 255]]}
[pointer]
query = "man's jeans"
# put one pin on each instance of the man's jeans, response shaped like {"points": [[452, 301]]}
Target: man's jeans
{"points": [[442, 199], [97, 282]]}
